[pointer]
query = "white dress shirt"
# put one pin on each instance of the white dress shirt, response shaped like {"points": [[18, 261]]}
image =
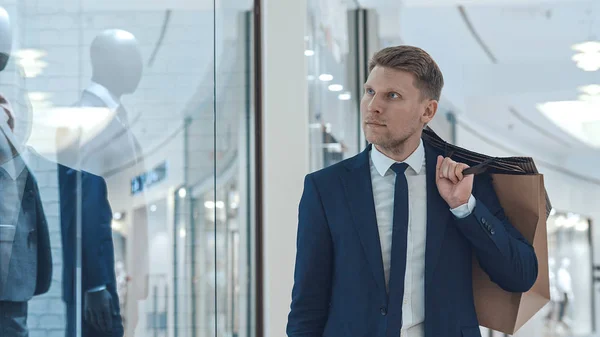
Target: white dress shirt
{"points": [[383, 181], [109, 99], [112, 145]]}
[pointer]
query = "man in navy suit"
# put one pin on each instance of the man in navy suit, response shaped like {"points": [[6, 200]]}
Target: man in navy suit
{"points": [[386, 238]]}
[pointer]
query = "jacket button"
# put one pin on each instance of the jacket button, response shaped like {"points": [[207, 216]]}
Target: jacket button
{"points": [[484, 221], [383, 311], [492, 231]]}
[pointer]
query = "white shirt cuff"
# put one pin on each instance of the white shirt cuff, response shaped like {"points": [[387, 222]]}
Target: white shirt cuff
{"points": [[100, 288], [465, 210]]}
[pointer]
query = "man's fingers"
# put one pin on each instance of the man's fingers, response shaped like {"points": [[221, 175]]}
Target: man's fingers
{"points": [[452, 173], [438, 167], [458, 172], [448, 169]]}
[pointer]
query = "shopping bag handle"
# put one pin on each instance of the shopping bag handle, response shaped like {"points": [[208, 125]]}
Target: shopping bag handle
{"points": [[479, 168]]}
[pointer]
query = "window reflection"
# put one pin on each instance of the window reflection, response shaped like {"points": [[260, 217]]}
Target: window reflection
{"points": [[570, 264], [333, 105], [115, 108]]}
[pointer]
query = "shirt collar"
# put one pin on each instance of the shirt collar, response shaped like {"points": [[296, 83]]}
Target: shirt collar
{"points": [[383, 163], [14, 167], [105, 95]]}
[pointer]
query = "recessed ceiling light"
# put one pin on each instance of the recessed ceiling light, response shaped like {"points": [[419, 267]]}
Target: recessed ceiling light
{"points": [[592, 89], [587, 47], [345, 96], [30, 53], [582, 226], [336, 87], [590, 98], [38, 96], [588, 58], [309, 52], [29, 60], [326, 77], [588, 61], [578, 118]]}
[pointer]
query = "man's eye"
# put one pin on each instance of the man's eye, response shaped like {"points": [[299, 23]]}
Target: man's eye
{"points": [[393, 95], [370, 91]]}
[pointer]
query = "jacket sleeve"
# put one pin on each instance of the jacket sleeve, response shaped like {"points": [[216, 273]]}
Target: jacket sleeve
{"points": [[96, 238], [503, 253], [313, 272]]}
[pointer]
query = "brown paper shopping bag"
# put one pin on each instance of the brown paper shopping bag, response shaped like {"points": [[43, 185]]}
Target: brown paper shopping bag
{"points": [[521, 192], [523, 198]]}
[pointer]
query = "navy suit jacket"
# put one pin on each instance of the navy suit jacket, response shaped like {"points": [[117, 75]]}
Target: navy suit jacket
{"points": [[97, 252], [44, 261], [339, 287]]}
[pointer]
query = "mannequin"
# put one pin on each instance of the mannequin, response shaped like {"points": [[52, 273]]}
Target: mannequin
{"points": [[116, 62], [565, 287], [25, 254], [117, 67], [5, 38]]}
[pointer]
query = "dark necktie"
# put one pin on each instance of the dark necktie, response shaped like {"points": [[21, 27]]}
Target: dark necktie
{"points": [[398, 258]]}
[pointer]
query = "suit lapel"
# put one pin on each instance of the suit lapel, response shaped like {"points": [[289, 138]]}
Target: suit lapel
{"points": [[438, 214], [359, 193]]}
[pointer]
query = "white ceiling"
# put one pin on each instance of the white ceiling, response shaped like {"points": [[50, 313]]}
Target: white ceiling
{"points": [[453, 3], [530, 63]]}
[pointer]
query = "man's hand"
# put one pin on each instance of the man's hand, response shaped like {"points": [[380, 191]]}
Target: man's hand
{"points": [[99, 310], [454, 187]]}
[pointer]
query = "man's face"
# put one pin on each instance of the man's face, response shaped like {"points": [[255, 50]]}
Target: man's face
{"points": [[392, 108]]}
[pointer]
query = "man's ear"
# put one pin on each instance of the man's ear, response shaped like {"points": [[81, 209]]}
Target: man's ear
{"points": [[430, 111]]}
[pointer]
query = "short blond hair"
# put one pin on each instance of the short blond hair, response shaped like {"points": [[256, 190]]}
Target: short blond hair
{"points": [[414, 60]]}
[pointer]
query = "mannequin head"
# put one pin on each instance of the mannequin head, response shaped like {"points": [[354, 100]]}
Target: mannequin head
{"points": [[5, 38], [116, 61]]}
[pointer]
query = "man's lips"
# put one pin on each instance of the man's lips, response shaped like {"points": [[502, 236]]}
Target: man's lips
{"points": [[374, 123]]}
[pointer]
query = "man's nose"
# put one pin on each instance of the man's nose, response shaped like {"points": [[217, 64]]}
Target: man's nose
{"points": [[374, 105]]}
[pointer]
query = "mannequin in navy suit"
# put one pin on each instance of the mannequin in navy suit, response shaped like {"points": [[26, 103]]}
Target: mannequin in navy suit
{"points": [[357, 272], [116, 71], [97, 253], [25, 255]]}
